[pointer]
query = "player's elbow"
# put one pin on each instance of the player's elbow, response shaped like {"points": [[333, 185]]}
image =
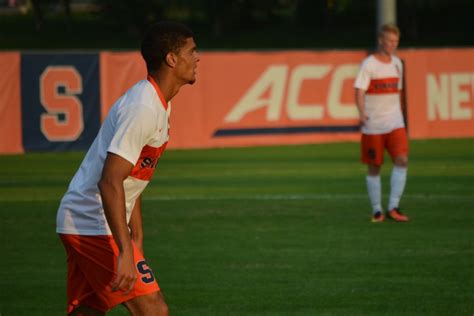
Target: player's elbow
{"points": [[105, 184]]}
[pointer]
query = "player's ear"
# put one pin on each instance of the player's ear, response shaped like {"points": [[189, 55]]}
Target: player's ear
{"points": [[171, 59]]}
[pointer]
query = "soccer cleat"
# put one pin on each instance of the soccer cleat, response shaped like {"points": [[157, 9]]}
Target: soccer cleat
{"points": [[397, 216], [378, 217]]}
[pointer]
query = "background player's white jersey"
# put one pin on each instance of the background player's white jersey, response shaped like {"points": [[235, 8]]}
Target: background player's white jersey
{"points": [[382, 83], [136, 129]]}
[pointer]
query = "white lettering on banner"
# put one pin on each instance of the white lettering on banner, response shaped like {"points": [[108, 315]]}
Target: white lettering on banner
{"points": [[448, 95], [337, 109], [274, 78], [438, 97], [460, 95], [298, 111]]}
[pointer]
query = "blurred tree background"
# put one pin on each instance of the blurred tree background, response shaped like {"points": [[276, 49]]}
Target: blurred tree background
{"points": [[231, 24]]}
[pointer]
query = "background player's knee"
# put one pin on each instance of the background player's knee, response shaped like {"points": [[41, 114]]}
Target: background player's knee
{"points": [[373, 170], [401, 161]]}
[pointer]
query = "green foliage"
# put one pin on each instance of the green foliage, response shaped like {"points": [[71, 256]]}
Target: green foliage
{"points": [[281, 230], [131, 16], [240, 24]]}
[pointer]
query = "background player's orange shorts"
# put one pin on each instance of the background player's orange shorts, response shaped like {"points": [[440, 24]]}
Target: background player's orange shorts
{"points": [[372, 146], [92, 262]]}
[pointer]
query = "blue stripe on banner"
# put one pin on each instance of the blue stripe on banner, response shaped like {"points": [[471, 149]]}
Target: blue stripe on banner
{"points": [[285, 130]]}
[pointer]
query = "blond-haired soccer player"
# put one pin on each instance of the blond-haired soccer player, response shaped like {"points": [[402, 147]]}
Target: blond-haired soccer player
{"points": [[378, 88], [99, 219]]}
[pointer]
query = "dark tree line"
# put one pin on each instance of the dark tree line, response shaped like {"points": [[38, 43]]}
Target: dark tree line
{"points": [[416, 18]]}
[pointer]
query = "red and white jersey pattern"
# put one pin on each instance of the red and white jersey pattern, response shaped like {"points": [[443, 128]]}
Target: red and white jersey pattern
{"points": [[137, 129], [382, 83]]}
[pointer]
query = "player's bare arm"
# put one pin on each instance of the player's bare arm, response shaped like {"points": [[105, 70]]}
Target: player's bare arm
{"points": [[403, 104], [136, 224], [360, 102], [116, 170]]}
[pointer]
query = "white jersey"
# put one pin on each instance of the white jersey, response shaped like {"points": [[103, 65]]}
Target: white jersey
{"points": [[136, 129], [382, 83]]}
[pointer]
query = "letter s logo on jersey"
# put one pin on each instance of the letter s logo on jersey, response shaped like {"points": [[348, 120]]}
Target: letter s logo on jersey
{"points": [[330, 106]]}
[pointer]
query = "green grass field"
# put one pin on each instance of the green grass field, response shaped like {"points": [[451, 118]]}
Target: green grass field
{"points": [[263, 231]]}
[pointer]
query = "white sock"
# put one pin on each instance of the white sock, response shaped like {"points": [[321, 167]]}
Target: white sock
{"points": [[374, 188], [397, 185]]}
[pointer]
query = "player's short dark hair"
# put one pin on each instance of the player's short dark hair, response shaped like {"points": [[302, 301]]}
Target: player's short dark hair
{"points": [[162, 38]]}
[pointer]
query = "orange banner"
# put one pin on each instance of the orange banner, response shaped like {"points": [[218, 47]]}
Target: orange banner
{"points": [[264, 98], [10, 107], [272, 98], [440, 92], [245, 99]]}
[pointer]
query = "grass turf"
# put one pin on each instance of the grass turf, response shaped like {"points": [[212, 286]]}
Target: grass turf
{"points": [[263, 231]]}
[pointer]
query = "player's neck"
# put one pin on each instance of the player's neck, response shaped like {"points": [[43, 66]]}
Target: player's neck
{"points": [[383, 56], [167, 87]]}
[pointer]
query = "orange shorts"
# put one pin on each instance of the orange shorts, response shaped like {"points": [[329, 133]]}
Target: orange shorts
{"points": [[91, 262], [372, 146]]}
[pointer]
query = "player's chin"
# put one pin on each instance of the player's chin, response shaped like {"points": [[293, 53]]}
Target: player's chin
{"points": [[192, 81]]}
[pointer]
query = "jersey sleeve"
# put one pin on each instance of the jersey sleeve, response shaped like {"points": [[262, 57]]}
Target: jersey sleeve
{"points": [[362, 80], [134, 128]]}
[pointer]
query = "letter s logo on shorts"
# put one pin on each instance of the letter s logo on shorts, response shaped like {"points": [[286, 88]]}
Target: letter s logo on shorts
{"points": [[146, 272]]}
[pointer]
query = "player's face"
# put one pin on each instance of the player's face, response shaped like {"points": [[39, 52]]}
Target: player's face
{"points": [[388, 42], [187, 61]]}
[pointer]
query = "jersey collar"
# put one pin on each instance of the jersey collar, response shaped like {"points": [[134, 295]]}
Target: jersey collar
{"points": [[158, 91]]}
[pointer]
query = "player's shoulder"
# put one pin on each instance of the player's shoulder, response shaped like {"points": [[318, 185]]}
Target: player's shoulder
{"points": [[368, 62], [139, 102], [144, 94], [396, 60], [142, 88]]}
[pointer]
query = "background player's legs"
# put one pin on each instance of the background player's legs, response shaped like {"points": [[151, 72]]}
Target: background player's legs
{"points": [[397, 146], [150, 304], [374, 188], [372, 148], [397, 181], [86, 311]]}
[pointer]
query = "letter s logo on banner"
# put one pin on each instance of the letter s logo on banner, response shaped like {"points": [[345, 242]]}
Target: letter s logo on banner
{"points": [[60, 101], [59, 87]]}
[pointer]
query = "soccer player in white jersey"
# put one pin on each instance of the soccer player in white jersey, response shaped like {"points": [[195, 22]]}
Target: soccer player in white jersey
{"points": [[99, 219], [378, 88]]}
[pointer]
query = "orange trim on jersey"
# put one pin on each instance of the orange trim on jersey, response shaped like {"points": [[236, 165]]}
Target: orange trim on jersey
{"points": [[384, 85], [146, 164], [158, 91]]}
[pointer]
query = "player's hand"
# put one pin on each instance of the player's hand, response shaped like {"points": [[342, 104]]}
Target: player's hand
{"points": [[363, 118], [126, 273]]}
